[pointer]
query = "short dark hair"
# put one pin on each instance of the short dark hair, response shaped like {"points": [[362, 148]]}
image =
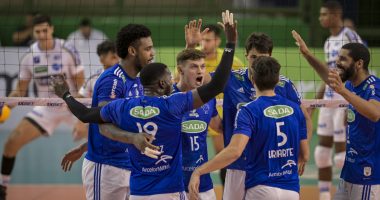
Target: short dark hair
{"points": [[39, 19], [333, 6], [85, 22], [213, 28], [105, 47], [151, 73], [262, 42], [266, 72], [358, 51], [189, 54], [129, 35]]}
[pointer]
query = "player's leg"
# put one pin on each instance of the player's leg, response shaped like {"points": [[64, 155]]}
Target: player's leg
{"points": [[25, 132], [113, 182], [88, 179], [235, 185], [262, 192], [323, 153], [36, 123], [343, 190], [357, 192], [104, 181], [349, 191], [339, 136]]}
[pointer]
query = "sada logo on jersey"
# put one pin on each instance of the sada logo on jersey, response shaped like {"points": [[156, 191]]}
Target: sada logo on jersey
{"points": [[144, 112], [350, 115], [193, 126], [279, 111]]}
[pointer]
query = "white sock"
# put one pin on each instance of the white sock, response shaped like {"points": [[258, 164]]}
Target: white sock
{"points": [[5, 179], [324, 190]]}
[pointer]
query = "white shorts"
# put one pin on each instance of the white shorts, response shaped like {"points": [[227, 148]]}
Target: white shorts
{"points": [[167, 196], [208, 195], [263, 192], [103, 182], [349, 191], [234, 187], [49, 118], [331, 123]]}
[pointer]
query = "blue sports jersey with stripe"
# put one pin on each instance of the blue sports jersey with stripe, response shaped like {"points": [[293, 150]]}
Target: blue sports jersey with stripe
{"points": [[113, 83], [194, 142], [275, 126], [362, 162], [239, 91], [162, 118]]}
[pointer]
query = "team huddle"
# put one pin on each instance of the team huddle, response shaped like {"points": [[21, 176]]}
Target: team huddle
{"points": [[147, 133]]}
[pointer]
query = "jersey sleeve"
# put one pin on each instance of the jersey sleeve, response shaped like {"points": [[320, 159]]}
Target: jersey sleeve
{"points": [[351, 36], [113, 111], [180, 103], [374, 92], [303, 129], [292, 93], [25, 68], [109, 88], [244, 123], [70, 47]]}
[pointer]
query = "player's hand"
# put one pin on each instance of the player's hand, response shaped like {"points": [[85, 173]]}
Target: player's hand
{"points": [[143, 142], [300, 43], [70, 157], [193, 34], [301, 167], [229, 26], [59, 85], [335, 82], [194, 185]]}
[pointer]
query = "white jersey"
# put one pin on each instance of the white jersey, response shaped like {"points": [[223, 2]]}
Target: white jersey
{"points": [[332, 46], [88, 88], [39, 65], [86, 45]]}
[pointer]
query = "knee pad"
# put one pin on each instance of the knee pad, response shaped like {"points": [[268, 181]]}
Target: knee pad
{"points": [[339, 159], [323, 156]]}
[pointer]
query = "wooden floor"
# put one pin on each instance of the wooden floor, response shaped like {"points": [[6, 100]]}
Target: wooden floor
{"points": [[76, 192]]}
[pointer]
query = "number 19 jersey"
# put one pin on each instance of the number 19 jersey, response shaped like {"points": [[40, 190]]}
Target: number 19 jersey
{"points": [[160, 117]]}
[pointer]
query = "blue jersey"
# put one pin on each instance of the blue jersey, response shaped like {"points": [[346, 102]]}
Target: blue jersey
{"points": [[194, 142], [162, 118], [362, 162], [275, 126], [113, 83], [239, 91]]}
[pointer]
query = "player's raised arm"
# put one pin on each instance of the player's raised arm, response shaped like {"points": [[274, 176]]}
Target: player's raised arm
{"points": [[193, 34], [206, 92], [319, 66], [84, 114]]}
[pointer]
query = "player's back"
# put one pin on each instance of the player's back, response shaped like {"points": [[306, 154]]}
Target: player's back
{"points": [[160, 117], [277, 125], [239, 91], [112, 84]]}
